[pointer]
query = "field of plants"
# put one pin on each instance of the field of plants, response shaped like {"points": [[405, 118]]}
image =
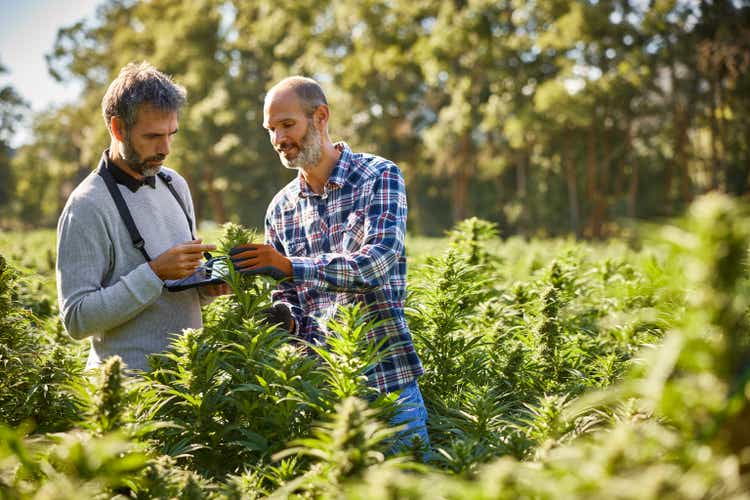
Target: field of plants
{"points": [[554, 369]]}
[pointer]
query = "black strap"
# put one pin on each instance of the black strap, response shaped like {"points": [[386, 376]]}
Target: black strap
{"points": [[168, 181], [122, 207]]}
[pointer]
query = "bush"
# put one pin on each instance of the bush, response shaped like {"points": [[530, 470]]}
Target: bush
{"points": [[553, 369]]}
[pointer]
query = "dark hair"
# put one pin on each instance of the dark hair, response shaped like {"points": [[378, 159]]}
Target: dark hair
{"points": [[308, 90], [140, 83]]}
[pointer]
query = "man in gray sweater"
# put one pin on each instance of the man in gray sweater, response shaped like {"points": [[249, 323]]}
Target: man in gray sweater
{"points": [[108, 288]]}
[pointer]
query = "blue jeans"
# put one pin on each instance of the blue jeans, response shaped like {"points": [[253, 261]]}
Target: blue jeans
{"points": [[413, 414]]}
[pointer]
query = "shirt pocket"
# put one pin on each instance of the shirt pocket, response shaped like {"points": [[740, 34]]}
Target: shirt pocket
{"points": [[354, 231], [296, 247]]}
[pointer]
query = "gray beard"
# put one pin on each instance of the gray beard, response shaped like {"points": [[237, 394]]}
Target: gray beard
{"points": [[310, 151], [134, 160], [150, 171]]}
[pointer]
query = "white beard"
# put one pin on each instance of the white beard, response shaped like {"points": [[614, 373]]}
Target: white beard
{"points": [[150, 171], [310, 152]]}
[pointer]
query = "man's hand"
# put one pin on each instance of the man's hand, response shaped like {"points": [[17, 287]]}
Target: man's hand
{"points": [[279, 314], [180, 261], [255, 258]]}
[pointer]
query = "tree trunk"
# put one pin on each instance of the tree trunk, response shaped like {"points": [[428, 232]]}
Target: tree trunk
{"points": [[723, 135], [605, 181], [461, 180], [217, 203], [627, 160], [619, 184], [633, 190], [668, 176], [689, 111], [682, 117], [521, 183], [214, 197], [571, 181], [592, 193], [715, 166], [670, 168]]}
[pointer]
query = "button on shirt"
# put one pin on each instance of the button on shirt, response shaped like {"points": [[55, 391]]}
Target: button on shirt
{"points": [[346, 246]]}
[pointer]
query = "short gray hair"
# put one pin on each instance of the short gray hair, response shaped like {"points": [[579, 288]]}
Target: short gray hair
{"points": [[306, 89], [140, 83]]}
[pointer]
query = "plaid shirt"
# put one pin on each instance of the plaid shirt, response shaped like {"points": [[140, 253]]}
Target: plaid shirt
{"points": [[347, 246]]}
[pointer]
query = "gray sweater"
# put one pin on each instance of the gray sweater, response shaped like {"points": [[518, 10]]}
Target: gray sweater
{"points": [[106, 289]]}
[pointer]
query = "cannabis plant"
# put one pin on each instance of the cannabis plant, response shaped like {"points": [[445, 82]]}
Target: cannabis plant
{"points": [[35, 370], [233, 392], [342, 447]]}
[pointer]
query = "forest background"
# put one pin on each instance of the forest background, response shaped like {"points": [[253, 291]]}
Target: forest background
{"points": [[546, 117]]}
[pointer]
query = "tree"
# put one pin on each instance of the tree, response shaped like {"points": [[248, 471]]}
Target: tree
{"points": [[545, 116], [12, 108], [50, 167]]}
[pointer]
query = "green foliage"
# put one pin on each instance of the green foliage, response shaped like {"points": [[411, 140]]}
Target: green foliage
{"points": [[541, 334], [553, 369], [110, 402], [12, 108], [236, 391], [35, 367], [341, 448], [441, 305], [218, 389], [347, 355], [545, 117], [72, 465], [234, 235], [32, 254], [470, 238]]}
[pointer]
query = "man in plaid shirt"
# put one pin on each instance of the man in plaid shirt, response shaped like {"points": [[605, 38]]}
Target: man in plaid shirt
{"points": [[337, 233]]}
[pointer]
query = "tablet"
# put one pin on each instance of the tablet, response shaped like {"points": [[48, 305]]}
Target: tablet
{"points": [[212, 272]]}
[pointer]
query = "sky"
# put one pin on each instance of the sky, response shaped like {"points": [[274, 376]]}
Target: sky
{"points": [[27, 32]]}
